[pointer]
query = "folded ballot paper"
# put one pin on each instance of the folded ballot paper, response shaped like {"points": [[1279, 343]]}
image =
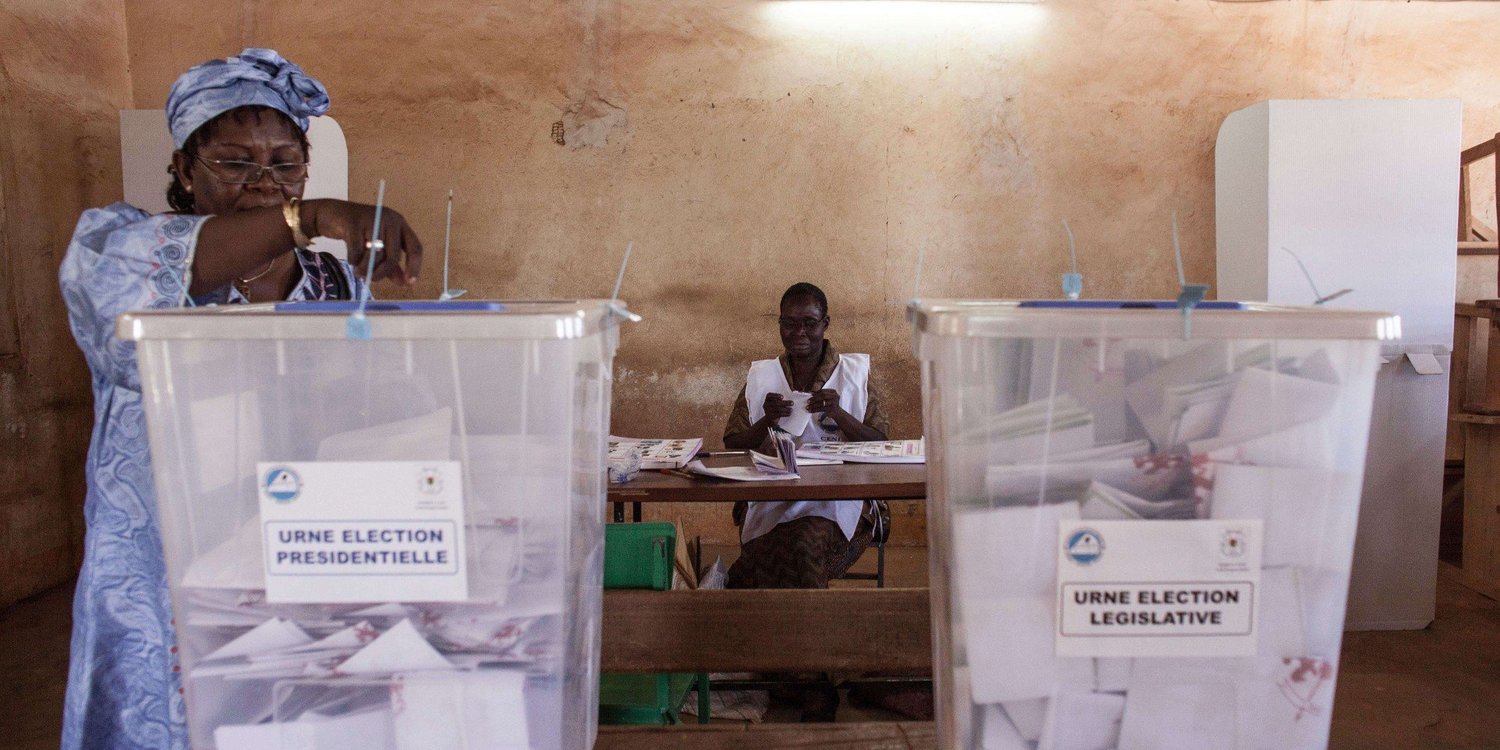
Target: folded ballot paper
{"points": [[1219, 432], [434, 701]]}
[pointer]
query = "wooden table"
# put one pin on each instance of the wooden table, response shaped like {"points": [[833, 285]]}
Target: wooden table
{"points": [[848, 481]]}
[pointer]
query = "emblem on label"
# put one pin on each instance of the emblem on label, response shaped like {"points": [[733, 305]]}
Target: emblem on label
{"points": [[282, 484], [1085, 546], [430, 482], [1234, 543]]}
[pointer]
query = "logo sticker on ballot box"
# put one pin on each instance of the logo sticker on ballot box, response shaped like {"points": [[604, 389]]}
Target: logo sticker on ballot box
{"points": [[354, 531], [1158, 588]]}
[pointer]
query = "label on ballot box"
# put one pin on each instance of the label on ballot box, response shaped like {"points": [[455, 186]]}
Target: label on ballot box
{"points": [[1158, 588], [351, 531]]}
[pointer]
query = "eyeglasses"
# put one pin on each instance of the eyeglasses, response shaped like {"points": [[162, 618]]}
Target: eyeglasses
{"points": [[249, 172], [806, 324]]}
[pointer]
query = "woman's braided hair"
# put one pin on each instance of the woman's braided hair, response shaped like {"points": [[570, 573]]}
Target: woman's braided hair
{"points": [[178, 196]]}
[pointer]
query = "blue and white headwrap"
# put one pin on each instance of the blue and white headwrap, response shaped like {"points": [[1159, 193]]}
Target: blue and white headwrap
{"points": [[254, 77]]}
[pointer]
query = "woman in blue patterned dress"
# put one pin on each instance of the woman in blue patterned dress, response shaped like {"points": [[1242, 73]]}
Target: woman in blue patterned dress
{"points": [[238, 233]]}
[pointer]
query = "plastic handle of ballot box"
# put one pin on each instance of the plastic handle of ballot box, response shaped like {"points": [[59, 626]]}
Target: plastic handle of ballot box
{"points": [[417, 306]]}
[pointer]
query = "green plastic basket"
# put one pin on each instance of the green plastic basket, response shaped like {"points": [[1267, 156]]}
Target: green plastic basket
{"points": [[648, 699], [639, 555]]}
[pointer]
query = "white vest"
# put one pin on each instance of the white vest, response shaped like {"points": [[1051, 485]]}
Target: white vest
{"points": [[851, 378]]}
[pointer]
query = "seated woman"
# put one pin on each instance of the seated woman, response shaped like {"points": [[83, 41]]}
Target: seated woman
{"points": [[238, 233], [804, 544]]}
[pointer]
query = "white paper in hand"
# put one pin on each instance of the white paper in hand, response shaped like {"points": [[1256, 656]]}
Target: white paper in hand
{"points": [[796, 423]]}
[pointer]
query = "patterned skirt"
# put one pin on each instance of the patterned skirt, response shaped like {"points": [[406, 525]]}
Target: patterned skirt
{"points": [[805, 553]]}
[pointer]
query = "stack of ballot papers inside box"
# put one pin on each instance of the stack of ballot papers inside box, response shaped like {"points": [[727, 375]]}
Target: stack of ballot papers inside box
{"points": [[1210, 431], [485, 672]]}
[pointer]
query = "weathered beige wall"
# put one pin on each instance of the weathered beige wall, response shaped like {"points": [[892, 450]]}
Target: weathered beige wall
{"points": [[744, 145], [62, 82]]}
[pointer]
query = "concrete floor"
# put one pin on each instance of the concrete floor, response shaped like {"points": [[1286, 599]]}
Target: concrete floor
{"points": [[1433, 688]]}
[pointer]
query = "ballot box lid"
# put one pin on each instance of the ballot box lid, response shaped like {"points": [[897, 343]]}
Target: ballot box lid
{"points": [[389, 320], [1212, 319]]}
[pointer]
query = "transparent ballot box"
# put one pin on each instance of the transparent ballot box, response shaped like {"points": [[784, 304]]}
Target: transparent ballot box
{"points": [[383, 543], [1141, 521]]}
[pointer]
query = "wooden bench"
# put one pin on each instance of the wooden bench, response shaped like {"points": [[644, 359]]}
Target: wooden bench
{"points": [[768, 630]]}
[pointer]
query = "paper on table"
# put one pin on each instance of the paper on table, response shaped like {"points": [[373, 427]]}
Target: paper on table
{"points": [[657, 453], [400, 649], [737, 473], [1012, 551], [804, 461], [1082, 721], [996, 732], [424, 438], [784, 462], [460, 710], [873, 452], [1009, 643]]}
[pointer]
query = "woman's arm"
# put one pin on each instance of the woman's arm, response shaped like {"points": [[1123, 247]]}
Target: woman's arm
{"points": [[232, 245], [826, 402], [853, 429], [754, 435]]}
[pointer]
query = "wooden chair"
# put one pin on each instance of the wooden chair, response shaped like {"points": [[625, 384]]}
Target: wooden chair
{"points": [[1474, 404], [1476, 378]]}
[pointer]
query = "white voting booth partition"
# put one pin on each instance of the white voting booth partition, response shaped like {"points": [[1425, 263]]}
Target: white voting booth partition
{"points": [[146, 151], [383, 544], [1140, 532], [1363, 192]]}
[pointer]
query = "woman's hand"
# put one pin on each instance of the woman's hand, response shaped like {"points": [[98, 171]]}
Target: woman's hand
{"points": [[776, 407], [354, 223], [823, 400]]}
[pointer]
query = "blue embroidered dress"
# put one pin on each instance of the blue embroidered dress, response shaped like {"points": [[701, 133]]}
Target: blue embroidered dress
{"points": [[123, 686]]}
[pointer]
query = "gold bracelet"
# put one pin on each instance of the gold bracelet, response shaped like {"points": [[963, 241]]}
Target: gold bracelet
{"points": [[290, 211]]}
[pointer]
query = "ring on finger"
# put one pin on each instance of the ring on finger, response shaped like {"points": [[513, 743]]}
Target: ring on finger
{"points": [[375, 245]]}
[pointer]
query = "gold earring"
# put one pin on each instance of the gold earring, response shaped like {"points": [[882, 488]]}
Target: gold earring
{"points": [[188, 188]]}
